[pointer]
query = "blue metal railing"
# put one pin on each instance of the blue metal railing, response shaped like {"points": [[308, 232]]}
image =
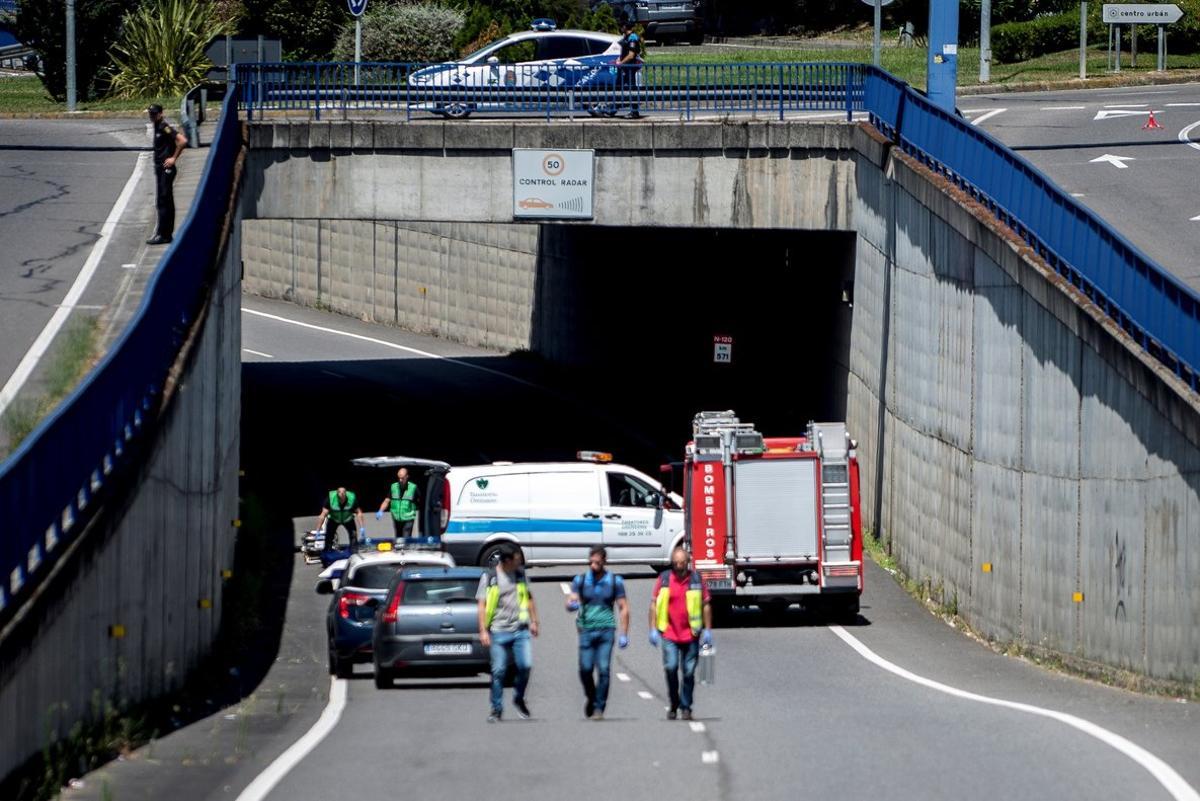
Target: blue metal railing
{"points": [[52, 482], [457, 90], [1161, 313]]}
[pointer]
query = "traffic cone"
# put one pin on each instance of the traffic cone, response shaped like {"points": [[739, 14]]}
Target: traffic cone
{"points": [[1151, 124]]}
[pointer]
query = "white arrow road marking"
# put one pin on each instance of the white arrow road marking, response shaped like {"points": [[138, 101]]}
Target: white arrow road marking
{"points": [[1108, 114], [1116, 161], [1163, 773], [988, 115], [1196, 218], [1184, 135]]}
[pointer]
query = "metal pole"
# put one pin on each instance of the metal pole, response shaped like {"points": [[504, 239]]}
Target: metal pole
{"points": [[942, 58], [70, 55], [876, 33], [985, 41], [1132, 46], [260, 48], [357, 46], [228, 58], [1118, 27], [1083, 40], [1162, 48]]}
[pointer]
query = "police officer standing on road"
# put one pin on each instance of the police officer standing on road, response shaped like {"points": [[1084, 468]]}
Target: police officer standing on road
{"points": [[341, 509], [681, 619], [168, 145], [403, 502], [630, 62]]}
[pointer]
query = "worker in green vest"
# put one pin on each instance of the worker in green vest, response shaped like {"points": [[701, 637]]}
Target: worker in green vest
{"points": [[341, 509], [402, 499]]}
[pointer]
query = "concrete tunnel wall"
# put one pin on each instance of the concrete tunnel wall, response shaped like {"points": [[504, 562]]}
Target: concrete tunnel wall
{"points": [[155, 552], [1001, 420]]}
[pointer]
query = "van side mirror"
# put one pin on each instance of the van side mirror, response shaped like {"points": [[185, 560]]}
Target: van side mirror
{"points": [[325, 587]]}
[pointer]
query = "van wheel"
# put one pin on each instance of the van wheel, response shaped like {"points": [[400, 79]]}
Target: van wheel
{"points": [[491, 556]]}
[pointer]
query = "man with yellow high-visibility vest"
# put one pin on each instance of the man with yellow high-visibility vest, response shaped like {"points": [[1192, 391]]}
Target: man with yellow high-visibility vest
{"points": [[402, 500], [508, 621], [341, 509], [681, 620]]}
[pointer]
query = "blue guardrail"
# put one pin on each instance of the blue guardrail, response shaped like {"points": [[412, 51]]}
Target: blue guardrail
{"points": [[57, 475]]}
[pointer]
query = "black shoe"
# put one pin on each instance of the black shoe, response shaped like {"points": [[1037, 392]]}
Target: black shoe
{"points": [[588, 709], [158, 240], [671, 713], [522, 709], [686, 714], [494, 716], [633, 115]]}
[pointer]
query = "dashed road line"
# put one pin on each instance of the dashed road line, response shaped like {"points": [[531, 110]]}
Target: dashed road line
{"points": [[1182, 105], [988, 116], [622, 677], [565, 587], [1163, 773], [697, 727], [258, 353], [643, 694], [710, 757], [1063, 108]]}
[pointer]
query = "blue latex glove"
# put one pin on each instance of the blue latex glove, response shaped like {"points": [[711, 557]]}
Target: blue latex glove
{"points": [[655, 637], [573, 605], [623, 640], [378, 515], [706, 637]]}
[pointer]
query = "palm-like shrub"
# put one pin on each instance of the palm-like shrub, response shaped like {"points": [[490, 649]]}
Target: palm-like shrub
{"points": [[161, 49]]}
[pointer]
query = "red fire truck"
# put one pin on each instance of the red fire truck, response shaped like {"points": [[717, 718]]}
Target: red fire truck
{"points": [[774, 521]]}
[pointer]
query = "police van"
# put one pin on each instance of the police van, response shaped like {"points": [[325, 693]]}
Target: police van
{"points": [[554, 511]]}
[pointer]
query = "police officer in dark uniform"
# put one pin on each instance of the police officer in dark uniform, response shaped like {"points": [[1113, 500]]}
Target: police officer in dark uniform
{"points": [[168, 145], [630, 61]]}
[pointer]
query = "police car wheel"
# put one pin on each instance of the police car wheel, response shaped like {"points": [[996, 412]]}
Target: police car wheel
{"points": [[456, 111]]}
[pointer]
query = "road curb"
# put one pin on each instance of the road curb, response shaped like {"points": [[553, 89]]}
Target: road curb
{"points": [[1106, 82]]}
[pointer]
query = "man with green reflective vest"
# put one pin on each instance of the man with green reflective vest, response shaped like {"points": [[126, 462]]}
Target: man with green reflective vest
{"points": [[402, 499], [681, 620], [341, 509], [507, 623]]}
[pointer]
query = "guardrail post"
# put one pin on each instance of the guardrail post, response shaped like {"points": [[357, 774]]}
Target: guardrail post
{"points": [[687, 91], [849, 96], [317, 95], [780, 68]]}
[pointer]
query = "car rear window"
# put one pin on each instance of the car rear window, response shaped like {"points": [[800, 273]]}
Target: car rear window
{"points": [[373, 577], [439, 590]]}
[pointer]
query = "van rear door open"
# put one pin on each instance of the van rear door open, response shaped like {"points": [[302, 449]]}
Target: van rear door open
{"points": [[433, 514]]}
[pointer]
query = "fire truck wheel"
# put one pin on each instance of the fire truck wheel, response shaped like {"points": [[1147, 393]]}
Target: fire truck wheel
{"points": [[774, 609], [844, 610]]}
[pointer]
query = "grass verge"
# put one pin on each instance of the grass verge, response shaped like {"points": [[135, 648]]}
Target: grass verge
{"points": [[24, 94], [932, 597], [70, 358]]}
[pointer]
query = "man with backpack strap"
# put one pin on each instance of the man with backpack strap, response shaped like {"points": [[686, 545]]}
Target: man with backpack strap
{"points": [[341, 509], [681, 620], [507, 621], [593, 595]]}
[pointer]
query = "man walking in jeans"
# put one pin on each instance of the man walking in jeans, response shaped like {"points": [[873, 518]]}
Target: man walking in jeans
{"points": [[681, 618], [594, 594], [507, 622]]}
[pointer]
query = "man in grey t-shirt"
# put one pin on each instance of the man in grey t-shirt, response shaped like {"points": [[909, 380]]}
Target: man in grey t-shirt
{"points": [[507, 623]]}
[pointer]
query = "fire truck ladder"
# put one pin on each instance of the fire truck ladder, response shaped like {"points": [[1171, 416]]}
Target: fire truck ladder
{"points": [[833, 444]]}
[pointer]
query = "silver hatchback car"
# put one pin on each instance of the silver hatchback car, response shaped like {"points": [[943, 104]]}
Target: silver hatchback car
{"points": [[429, 621]]}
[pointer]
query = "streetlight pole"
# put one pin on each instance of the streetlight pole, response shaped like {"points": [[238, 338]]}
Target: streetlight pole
{"points": [[985, 41], [876, 34], [70, 55]]}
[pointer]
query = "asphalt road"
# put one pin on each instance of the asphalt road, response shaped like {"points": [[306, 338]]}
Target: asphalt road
{"points": [[59, 180], [797, 709], [1152, 197]]}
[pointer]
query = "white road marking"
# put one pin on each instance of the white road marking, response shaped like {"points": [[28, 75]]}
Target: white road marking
{"points": [[384, 343], [1185, 135], [1126, 105], [258, 353], [622, 677], [40, 345], [1195, 219], [565, 587], [710, 757], [1063, 108], [645, 695], [84, 306], [1077, 194], [130, 266], [1182, 105], [987, 116], [1116, 161], [297, 751], [1163, 773], [1109, 114], [697, 726]]}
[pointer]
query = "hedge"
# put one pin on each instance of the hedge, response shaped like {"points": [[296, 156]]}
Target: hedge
{"points": [[1021, 41]]}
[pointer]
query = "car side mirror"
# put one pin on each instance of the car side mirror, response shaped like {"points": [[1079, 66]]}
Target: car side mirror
{"points": [[325, 587]]}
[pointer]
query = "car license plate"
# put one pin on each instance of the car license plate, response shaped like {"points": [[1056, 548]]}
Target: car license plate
{"points": [[720, 584], [444, 648]]}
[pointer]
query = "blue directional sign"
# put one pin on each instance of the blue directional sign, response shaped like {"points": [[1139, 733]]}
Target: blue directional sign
{"points": [[357, 7]]}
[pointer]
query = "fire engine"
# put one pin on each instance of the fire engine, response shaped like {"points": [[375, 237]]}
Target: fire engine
{"points": [[774, 520]]}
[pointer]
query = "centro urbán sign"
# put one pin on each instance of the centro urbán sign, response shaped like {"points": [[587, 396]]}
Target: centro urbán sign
{"points": [[555, 184], [1140, 13]]}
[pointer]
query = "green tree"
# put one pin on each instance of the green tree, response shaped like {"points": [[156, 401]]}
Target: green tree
{"points": [[42, 25], [161, 49], [307, 28], [414, 32]]}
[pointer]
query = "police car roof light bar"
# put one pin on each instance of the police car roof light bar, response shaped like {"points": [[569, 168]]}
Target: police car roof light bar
{"points": [[543, 24]]}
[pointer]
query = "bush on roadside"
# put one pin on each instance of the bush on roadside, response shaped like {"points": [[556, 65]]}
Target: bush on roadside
{"points": [[161, 50], [41, 24], [1021, 41], [420, 32]]}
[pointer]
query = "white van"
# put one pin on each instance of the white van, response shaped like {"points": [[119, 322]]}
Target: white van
{"points": [[555, 511]]}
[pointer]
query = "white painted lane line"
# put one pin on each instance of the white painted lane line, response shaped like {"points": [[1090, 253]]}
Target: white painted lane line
{"points": [[645, 695], [331, 373], [1077, 194], [258, 353], [1195, 219], [384, 343], [1185, 135], [297, 751], [1163, 773], [710, 757], [1063, 108], [988, 116], [697, 726], [1126, 105], [59, 318], [565, 587], [130, 266], [1182, 105], [622, 677]]}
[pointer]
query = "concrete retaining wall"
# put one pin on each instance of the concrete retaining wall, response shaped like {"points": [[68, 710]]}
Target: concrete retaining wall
{"points": [[1021, 431], [151, 561]]}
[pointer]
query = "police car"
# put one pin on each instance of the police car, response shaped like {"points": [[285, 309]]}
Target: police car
{"points": [[541, 57]]}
